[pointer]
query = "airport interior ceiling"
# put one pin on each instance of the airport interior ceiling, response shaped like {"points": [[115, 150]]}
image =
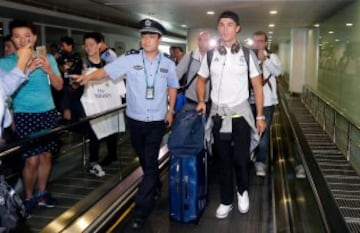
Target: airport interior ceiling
{"points": [[179, 16]]}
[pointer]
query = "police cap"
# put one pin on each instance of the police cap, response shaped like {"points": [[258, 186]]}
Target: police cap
{"points": [[149, 25]]}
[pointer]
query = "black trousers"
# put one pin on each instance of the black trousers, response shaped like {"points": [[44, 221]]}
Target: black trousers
{"points": [[233, 154], [86, 130], [146, 139]]}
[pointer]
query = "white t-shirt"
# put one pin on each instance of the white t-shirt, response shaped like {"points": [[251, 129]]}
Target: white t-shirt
{"points": [[271, 69], [229, 76]]}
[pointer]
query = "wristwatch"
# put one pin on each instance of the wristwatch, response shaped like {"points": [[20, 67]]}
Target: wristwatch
{"points": [[260, 118]]}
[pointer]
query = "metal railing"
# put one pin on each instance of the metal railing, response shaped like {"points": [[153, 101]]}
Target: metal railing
{"points": [[343, 131], [13, 147]]}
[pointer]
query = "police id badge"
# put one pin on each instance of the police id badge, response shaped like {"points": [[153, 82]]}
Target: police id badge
{"points": [[150, 93]]}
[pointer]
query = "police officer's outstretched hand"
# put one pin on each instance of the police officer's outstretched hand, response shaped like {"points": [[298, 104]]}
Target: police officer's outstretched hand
{"points": [[201, 107], [79, 79]]}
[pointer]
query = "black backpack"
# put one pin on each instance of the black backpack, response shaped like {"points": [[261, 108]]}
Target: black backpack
{"points": [[11, 207]]}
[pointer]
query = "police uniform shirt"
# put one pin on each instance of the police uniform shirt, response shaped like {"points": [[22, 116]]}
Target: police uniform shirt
{"points": [[108, 55], [138, 106], [229, 76]]}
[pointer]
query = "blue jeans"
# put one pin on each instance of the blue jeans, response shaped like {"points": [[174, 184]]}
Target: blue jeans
{"points": [[262, 151]]}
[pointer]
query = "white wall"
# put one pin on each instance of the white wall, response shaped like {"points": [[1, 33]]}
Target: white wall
{"points": [[298, 45], [284, 56], [312, 58]]}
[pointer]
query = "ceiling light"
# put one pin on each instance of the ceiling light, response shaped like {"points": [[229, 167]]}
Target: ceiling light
{"points": [[270, 32], [183, 25], [212, 43], [271, 25], [210, 12], [331, 32], [273, 12], [337, 40], [317, 25], [249, 42], [348, 24]]}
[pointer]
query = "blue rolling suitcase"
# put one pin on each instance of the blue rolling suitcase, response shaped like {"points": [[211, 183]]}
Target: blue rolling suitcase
{"points": [[188, 168], [188, 187]]}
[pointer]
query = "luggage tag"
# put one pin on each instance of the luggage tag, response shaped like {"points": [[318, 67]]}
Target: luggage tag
{"points": [[150, 93]]}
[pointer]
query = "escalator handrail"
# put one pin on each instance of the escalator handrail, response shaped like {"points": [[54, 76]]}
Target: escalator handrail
{"points": [[88, 214]]}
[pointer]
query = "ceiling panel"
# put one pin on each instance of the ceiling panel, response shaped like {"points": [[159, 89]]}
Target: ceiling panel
{"points": [[254, 15]]}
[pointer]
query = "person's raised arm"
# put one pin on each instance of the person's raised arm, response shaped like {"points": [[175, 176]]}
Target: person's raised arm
{"points": [[24, 55], [83, 79]]}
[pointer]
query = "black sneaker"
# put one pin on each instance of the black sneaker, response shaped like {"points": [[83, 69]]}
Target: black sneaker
{"points": [[29, 205], [46, 200]]}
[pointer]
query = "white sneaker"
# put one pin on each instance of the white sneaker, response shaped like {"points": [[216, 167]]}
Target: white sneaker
{"points": [[97, 170], [243, 202], [300, 172], [223, 211], [260, 169]]}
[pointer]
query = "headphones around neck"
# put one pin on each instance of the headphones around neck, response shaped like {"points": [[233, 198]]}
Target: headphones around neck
{"points": [[234, 48]]}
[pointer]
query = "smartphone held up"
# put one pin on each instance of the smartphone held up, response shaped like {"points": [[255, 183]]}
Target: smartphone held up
{"points": [[41, 50]]}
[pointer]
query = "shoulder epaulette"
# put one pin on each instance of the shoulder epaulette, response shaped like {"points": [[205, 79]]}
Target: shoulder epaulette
{"points": [[133, 51]]}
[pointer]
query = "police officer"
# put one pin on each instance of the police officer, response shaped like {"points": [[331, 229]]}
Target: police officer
{"points": [[233, 122], [151, 79]]}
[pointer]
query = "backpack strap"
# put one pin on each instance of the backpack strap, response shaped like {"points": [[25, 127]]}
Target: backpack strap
{"points": [[186, 86], [246, 52], [209, 56], [267, 81]]}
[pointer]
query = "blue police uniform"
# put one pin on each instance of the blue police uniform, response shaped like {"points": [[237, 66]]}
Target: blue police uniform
{"points": [[147, 83], [141, 73]]}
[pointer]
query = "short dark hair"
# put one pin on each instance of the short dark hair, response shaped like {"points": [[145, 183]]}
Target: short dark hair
{"points": [[67, 40], [261, 33], [17, 23], [101, 36], [93, 35], [179, 48], [231, 15]]}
